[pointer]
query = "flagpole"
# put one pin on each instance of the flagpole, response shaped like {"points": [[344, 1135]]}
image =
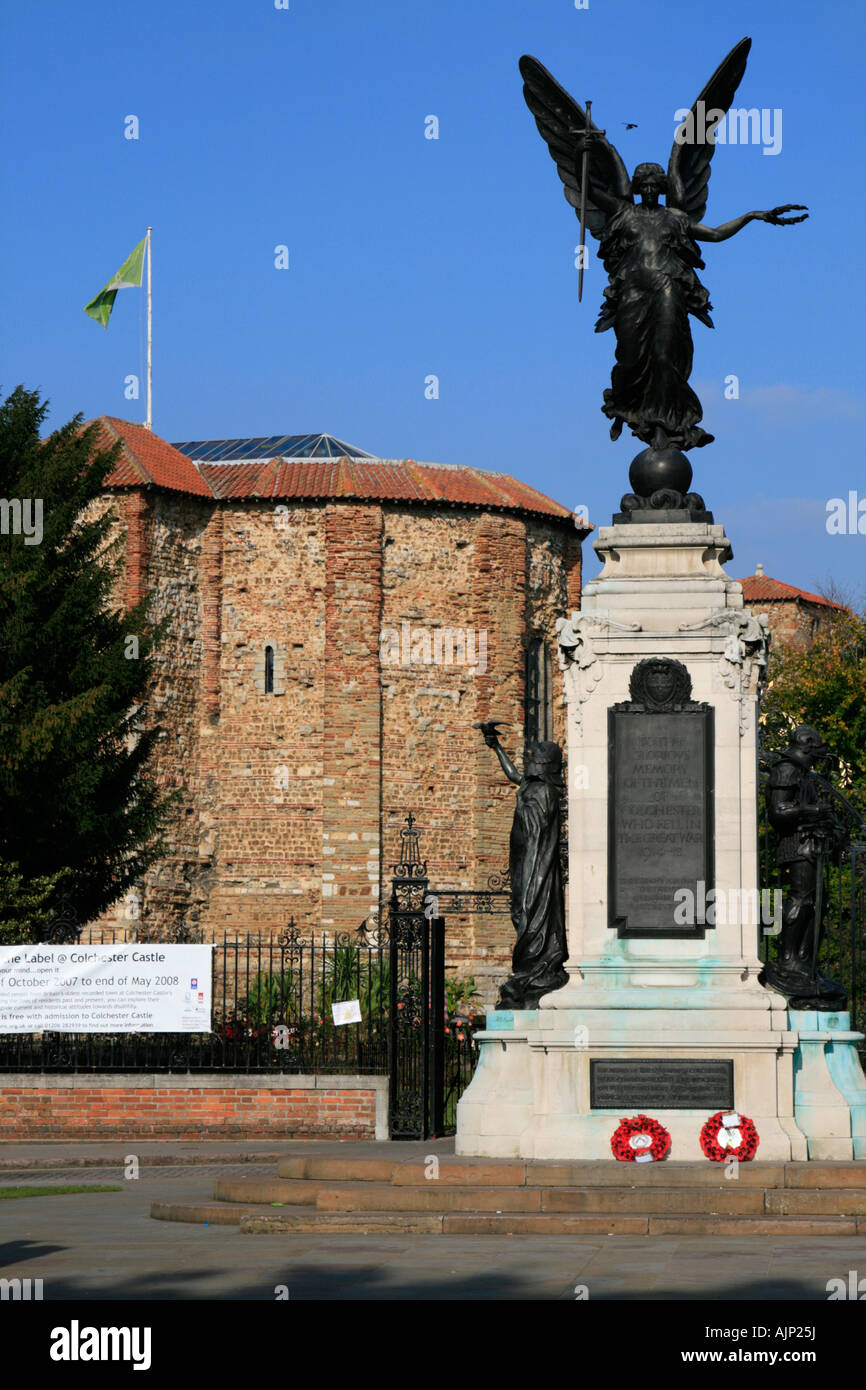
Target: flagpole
{"points": [[148, 424]]}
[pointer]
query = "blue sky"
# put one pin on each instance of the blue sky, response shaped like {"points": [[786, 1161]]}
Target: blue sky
{"points": [[409, 257]]}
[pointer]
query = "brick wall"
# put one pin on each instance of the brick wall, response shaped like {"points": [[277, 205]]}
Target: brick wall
{"points": [[291, 803], [176, 530], [135, 511], [794, 623], [154, 1106], [352, 724], [262, 794]]}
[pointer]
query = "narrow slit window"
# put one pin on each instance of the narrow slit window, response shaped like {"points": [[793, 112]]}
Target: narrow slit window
{"points": [[269, 670], [538, 705]]}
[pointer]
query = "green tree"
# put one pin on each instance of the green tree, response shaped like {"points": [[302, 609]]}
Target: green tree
{"points": [[80, 809], [26, 913]]}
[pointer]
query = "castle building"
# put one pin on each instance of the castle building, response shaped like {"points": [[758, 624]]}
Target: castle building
{"points": [[795, 615], [338, 624]]}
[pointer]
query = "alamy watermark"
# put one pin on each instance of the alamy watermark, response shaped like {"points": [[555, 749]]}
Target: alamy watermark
{"points": [[854, 1289], [438, 646], [23, 517], [700, 906], [77, 1343], [739, 126], [21, 1290], [846, 516]]}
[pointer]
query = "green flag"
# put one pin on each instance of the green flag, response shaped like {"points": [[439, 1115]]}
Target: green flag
{"points": [[128, 277]]}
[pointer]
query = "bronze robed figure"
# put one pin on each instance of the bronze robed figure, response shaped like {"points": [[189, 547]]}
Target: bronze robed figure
{"points": [[537, 894], [651, 254]]}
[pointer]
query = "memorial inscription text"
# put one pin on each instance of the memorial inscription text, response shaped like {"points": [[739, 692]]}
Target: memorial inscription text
{"points": [[660, 817], [647, 1083]]}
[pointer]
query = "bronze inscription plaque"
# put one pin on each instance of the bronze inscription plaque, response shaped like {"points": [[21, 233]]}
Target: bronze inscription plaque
{"points": [[660, 833], [650, 1083]]}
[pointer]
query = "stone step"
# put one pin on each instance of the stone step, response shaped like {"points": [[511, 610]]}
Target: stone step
{"points": [[542, 1223], [363, 1197], [753, 1174], [519, 1173], [752, 1225], [500, 1197], [339, 1169], [722, 1198], [462, 1172], [652, 1175], [264, 1190], [828, 1201], [302, 1220], [666, 1221], [730, 1200], [368, 1196], [833, 1175], [202, 1213]]}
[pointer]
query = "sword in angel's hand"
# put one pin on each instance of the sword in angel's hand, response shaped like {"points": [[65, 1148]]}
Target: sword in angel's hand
{"points": [[587, 135]]}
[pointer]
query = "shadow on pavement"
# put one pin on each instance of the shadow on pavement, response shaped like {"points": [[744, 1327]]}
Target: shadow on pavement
{"points": [[306, 1283]]}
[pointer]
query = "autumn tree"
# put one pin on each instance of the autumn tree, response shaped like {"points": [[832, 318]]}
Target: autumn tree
{"points": [[825, 686]]}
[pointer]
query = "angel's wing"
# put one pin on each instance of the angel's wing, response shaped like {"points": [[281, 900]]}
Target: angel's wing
{"points": [[689, 164], [561, 122]]}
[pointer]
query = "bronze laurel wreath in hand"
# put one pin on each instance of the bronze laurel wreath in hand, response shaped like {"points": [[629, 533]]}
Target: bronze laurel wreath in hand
{"points": [[774, 216]]}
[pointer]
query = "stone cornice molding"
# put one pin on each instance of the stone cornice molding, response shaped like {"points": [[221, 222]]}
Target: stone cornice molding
{"points": [[578, 658], [743, 662]]}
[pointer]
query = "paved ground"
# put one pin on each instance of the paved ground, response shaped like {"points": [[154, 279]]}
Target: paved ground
{"points": [[106, 1247], [48, 1153]]}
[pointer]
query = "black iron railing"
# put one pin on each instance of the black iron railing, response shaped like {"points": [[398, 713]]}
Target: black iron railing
{"points": [[272, 998], [272, 1007]]}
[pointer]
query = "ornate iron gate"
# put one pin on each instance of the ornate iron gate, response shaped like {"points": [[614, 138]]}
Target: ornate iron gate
{"points": [[427, 1070], [417, 1012]]}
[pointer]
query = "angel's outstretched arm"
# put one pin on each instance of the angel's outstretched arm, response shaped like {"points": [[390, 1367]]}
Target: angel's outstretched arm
{"points": [[729, 229]]}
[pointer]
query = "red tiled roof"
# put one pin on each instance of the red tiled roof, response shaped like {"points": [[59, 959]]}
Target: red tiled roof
{"points": [[390, 481], [148, 460], [145, 458], [760, 588]]}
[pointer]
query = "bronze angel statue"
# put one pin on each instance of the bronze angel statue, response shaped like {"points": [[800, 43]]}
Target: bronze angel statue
{"points": [[650, 251]]}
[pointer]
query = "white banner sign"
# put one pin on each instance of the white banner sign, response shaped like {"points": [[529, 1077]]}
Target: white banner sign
{"points": [[105, 989]]}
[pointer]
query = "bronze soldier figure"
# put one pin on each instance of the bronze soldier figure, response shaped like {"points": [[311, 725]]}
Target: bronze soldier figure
{"points": [[809, 832]]}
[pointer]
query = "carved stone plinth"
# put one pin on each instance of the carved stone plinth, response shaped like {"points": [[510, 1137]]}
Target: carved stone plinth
{"points": [[662, 669]]}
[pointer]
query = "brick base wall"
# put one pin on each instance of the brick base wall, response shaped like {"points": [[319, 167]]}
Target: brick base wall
{"points": [[155, 1106]]}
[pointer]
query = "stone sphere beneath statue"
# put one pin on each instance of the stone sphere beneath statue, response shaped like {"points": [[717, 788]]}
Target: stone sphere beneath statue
{"points": [[653, 470]]}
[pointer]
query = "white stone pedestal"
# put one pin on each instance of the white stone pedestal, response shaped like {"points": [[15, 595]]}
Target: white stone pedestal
{"points": [[663, 592]]}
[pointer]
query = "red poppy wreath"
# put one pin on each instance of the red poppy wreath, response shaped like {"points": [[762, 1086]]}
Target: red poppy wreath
{"points": [[640, 1140], [729, 1135]]}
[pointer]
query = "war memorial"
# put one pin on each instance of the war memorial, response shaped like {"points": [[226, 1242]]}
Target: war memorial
{"points": [[652, 1004], [667, 1101]]}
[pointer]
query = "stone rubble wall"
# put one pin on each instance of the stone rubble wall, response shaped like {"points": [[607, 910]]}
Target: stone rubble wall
{"points": [[290, 804]]}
